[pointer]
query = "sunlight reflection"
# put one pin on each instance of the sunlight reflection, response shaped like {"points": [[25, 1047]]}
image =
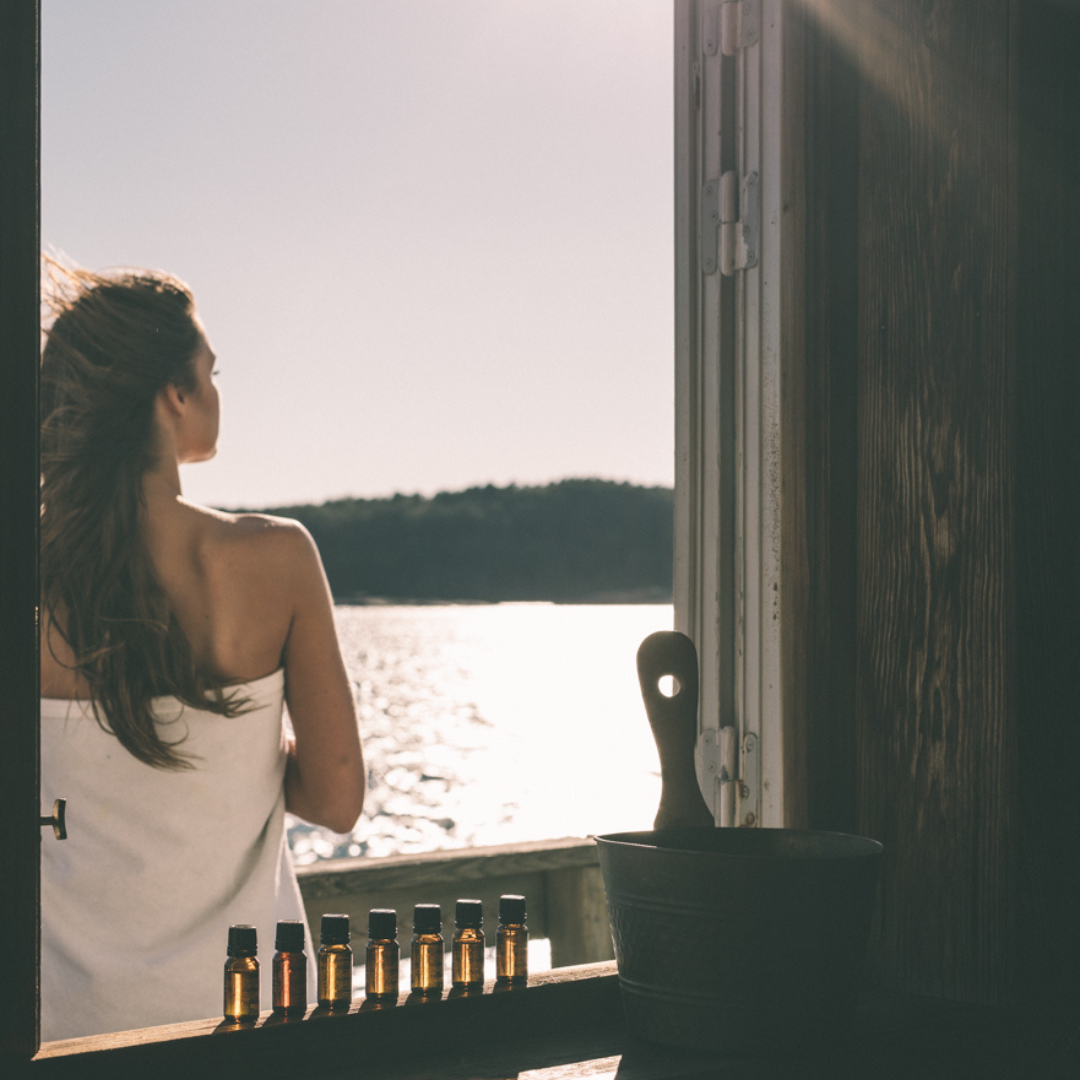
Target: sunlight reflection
{"points": [[492, 724]]}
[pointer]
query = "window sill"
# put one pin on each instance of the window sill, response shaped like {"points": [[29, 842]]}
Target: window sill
{"points": [[552, 1004]]}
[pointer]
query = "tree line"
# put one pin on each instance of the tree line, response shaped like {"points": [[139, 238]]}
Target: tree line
{"points": [[571, 541]]}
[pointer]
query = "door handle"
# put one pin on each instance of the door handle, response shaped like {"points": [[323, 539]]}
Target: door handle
{"points": [[58, 819]]}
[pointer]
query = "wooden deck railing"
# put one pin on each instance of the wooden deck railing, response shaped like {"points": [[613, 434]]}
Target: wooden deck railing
{"points": [[560, 880]]}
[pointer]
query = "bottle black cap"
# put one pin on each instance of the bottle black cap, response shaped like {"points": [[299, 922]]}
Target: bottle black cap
{"points": [[511, 909], [382, 923], [469, 914], [290, 936], [335, 930], [427, 919], [243, 940]]}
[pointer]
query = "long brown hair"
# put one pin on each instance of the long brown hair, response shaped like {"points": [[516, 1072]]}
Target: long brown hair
{"points": [[115, 341]]}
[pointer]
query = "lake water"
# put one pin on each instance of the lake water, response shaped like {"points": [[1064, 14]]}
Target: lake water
{"points": [[495, 723]]}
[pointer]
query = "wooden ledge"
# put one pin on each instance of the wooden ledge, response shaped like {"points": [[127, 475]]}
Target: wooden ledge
{"points": [[332, 877], [368, 1035]]}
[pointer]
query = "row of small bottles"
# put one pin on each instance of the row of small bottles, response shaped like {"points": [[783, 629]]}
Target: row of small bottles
{"points": [[335, 958]]}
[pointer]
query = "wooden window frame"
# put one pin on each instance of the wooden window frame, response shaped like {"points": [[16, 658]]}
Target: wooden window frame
{"points": [[739, 406]]}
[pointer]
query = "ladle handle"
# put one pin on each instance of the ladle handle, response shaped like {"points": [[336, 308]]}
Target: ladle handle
{"points": [[674, 726]]}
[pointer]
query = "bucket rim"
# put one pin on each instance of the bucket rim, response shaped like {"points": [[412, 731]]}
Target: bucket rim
{"points": [[861, 847]]}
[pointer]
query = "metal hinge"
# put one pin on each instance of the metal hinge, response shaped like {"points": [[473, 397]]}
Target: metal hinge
{"points": [[748, 813], [739, 223], [732, 772], [731, 26], [711, 770], [717, 750], [730, 239]]}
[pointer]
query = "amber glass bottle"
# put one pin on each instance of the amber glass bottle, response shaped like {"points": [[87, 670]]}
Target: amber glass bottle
{"points": [[335, 963], [381, 960], [290, 969], [468, 946], [242, 975], [427, 949], [512, 942]]}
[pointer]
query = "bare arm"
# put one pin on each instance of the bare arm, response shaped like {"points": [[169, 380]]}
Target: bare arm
{"points": [[325, 775]]}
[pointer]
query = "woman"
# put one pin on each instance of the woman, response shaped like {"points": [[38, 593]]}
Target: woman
{"points": [[170, 635]]}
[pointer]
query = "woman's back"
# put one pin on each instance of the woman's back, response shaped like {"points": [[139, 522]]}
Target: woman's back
{"points": [[226, 577]]}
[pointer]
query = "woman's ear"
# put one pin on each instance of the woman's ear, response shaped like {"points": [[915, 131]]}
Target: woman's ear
{"points": [[174, 399]]}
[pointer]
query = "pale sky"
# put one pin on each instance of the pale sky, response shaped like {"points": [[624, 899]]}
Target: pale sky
{"points": [[431, 240]]}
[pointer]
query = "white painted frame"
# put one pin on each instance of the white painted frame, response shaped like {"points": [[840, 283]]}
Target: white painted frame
{"points": [[728, 589]]}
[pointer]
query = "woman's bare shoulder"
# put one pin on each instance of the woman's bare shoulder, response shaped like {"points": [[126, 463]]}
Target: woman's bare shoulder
{"points": [[249, 527], [263, 542]]}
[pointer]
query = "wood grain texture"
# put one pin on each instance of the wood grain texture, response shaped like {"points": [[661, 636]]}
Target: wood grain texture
{"points": [[830, 476], [934, 561]]}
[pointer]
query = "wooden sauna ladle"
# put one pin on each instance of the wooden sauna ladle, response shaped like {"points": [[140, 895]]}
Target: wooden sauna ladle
{"points": [[674, 726]]}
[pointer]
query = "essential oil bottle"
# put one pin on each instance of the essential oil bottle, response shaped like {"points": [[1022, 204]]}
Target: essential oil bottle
{"points": [[427, 949], [335, 963], [381, 961], [512, 942], [242, 975], [468, 946], [290, 969]]}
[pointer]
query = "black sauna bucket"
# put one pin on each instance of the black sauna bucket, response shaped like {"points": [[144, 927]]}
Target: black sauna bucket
{"points": [[739, 940]]}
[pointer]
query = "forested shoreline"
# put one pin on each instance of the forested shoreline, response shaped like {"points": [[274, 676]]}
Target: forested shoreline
{"points": [[574, 541]]}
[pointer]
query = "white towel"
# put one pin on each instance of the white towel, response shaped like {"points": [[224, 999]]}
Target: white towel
{"points": [[137, 902]]}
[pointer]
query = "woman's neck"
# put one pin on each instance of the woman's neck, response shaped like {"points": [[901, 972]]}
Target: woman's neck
{"points": [[161, 484]]}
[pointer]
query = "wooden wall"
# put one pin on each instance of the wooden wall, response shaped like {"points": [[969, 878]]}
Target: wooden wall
{"points": [[934, 450], [943, 442]]}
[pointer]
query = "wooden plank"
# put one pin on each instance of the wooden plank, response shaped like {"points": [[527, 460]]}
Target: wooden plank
{"points": [[563, 872], [193, 1029], [704, 571], [934, 657], [361, 1042], [19, 514], [577, 917], [825, 655], [794, 554], [342, 876]]}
